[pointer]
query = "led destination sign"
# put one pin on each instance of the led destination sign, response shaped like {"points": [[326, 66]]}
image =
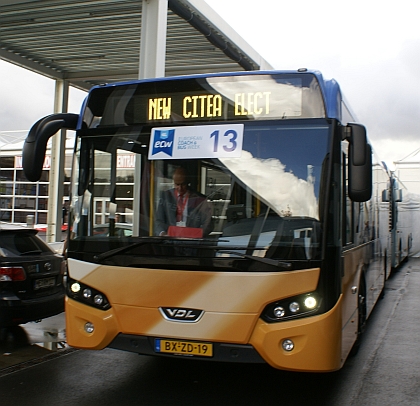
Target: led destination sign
{"points": [[253, 97], [211, 105], [207, 99]]}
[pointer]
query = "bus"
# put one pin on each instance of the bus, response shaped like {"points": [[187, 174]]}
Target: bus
{"points": [[290, 263], [397, 208]]}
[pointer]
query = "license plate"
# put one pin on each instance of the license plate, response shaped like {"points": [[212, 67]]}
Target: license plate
{"points": [[44, 283], [184, 347]]}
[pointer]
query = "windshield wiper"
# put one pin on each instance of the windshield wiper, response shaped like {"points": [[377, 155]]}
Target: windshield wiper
{"points": [[227, 250], [120, 250], [148, 240], [267, 261]]}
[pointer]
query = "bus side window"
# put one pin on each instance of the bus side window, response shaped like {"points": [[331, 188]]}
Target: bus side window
{"points": [[349, 212]]}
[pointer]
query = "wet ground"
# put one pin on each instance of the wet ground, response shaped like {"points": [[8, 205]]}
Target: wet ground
{"points": [[31, 341]]}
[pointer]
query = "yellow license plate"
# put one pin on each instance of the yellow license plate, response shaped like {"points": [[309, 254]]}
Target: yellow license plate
{"points": [[184, 347]]}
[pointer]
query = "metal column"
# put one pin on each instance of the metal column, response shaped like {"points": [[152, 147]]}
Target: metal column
{"points": [[58, 153], [153, 38]]}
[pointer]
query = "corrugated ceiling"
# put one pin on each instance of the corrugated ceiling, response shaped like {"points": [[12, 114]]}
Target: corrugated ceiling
{"points": [[97, 41]]}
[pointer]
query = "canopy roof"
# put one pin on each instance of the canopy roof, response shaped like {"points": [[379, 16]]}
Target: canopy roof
{"points": [[98, 41]]}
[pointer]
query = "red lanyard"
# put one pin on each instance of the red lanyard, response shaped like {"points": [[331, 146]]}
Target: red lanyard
{"points": [[180, 205]]}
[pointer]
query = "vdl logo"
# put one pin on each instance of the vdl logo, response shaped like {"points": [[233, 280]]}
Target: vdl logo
{"points": [[163, 141], [181, 314]]}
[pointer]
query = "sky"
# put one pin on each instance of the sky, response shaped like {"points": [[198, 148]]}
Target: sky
{"points": [[371, 47]]}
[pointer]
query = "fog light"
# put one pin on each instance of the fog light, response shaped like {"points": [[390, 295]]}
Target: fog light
{"points": [[89, 327], [310, 302], [75, 287], [288, 345], [87, 293], [98, 299], [294, 307]]}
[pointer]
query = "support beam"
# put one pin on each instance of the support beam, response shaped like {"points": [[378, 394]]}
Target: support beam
{"points": [[154, 17], [58, 148]]}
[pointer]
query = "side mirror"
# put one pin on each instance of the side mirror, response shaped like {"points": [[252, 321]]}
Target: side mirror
{"points": [[360, 164], [35, 145]]}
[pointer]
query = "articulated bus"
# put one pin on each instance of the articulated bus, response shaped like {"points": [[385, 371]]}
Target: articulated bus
{"points": [[276, 256], [396, 210]]}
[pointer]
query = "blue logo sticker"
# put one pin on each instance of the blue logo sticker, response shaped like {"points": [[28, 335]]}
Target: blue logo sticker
{"points": [[163, 141]]}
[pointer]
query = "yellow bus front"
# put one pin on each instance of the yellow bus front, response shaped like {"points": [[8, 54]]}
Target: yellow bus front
{"points": [[182, 313]]}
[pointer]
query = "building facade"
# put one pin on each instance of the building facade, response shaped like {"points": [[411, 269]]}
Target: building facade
{"points": [[20, 198]]}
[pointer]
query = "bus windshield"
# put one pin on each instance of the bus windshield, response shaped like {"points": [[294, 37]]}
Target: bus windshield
{"points": [[264, 202]]}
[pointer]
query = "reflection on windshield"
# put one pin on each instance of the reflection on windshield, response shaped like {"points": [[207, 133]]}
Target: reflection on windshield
{"points": [[283, 191]]}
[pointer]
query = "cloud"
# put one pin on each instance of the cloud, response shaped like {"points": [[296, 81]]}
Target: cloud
{"points": [[282, 190]]}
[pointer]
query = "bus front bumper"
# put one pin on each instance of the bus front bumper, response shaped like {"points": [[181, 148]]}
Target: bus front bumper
{"points": [[313, 343]]}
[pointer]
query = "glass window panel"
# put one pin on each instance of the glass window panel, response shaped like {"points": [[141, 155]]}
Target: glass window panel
{"points": [[25, 203], [21, 216], [5, 202], [125, 175], [20, 176], [98, 207], [42, 204], [41, 218], [6, 188], [45, 176], [7, 162], [124, 191], [102, 190], [5, 215], [43, 189], [124, 206], [7, 175], [26, 189]]}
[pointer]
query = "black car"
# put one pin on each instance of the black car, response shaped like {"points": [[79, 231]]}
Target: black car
{"points": [[31, 277]]}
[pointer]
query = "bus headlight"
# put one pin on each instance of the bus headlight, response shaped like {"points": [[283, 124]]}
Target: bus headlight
{"points": [[86, 295], [279, 312], [310, 302], [98, 300], [293, 307], [75, 287]]}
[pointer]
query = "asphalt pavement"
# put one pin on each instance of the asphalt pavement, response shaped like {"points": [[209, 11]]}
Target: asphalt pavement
{"points": [[392, 369]]}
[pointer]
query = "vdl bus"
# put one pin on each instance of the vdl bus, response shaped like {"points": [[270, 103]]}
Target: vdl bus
{"points": [[293, 263], [396, 210]]}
